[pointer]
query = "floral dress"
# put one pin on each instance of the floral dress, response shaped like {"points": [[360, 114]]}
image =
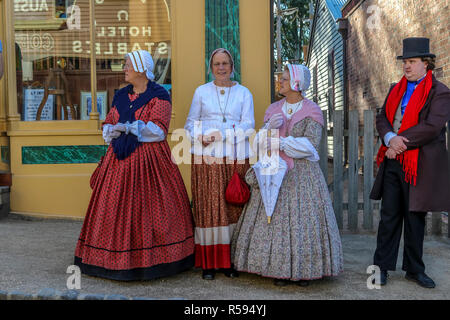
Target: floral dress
{"points": [[302, 242]]}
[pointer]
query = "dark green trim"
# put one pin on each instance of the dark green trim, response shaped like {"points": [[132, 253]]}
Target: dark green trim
{"points": [[62, 154], [222, 31]]}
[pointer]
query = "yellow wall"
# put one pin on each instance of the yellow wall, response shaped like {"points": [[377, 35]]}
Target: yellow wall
{"points": [[63, 190], [4, 141], [255, 53], [2, 82], [60, 190], [188, 68]]}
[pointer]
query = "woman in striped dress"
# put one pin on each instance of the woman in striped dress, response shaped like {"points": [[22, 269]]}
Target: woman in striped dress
{"points": [[218, 107]]}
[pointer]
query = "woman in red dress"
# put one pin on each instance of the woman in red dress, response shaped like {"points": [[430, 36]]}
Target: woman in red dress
{"points": [[138, 225]]}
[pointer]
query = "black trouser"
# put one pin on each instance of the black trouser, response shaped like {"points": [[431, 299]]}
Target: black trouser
{"points": [[395, 210]]}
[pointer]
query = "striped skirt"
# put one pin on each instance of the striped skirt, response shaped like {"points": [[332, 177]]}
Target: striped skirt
{"points": [[214, 218]]}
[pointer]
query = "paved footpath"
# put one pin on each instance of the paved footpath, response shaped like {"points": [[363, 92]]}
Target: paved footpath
{"points": [[35, 255]]}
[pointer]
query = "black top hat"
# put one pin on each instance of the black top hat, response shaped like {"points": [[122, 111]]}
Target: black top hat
{"points": [[416, 48]]}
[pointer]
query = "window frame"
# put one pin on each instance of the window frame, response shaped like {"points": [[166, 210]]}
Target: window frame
{"points": [[12, 108]]}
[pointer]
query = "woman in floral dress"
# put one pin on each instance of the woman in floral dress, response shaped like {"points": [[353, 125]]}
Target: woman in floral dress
{"points": [[302, 240]]}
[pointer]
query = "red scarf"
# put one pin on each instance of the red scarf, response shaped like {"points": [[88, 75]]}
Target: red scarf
{"points": [[408, 158]]}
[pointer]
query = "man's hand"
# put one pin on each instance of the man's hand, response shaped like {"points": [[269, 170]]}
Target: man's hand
{"points": [[397, 143], [391, 154]]}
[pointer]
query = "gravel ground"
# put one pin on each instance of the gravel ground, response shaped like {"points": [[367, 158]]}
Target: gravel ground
{"points": [[35, 254]]}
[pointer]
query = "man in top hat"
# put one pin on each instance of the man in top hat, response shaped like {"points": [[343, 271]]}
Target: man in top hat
{"points": [[413, 175]]}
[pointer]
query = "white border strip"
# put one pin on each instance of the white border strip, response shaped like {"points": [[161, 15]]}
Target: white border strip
{"points": [[214, 235]]}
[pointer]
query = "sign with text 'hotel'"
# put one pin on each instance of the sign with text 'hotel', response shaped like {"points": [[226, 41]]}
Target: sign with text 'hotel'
{"points": [[61, 28]]}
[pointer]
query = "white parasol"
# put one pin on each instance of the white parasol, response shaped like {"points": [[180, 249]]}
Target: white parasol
{"points": [[270, 172]]}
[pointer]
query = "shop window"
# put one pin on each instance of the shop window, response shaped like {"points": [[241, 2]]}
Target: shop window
{"points": [[61, 7], [53, 60], [123, 26]]}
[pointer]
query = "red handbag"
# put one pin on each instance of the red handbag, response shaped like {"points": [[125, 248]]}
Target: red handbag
{"points": [[237, 192]]}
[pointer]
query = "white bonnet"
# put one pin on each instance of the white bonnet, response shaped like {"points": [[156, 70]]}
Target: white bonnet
{"points": [[142, 62], [300, 77], [221, 50]]}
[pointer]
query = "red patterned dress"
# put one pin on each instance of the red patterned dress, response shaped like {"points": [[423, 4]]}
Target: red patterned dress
{"points": [[139, 224]]}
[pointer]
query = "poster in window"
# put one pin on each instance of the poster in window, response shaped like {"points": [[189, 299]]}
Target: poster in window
{"points": [[32, 100], [61, 8], [86, 104]]}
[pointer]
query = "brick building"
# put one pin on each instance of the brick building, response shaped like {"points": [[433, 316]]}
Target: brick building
{"points": [[374, 30]]}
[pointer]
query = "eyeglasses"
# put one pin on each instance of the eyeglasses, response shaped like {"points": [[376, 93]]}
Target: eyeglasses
{"points": [[127, 67]]}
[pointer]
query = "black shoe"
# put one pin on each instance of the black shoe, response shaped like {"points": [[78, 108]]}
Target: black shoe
{"points": [[421, 278], [303, 283], [281, 282], [208, 274], [230, 273], [383, 277]]}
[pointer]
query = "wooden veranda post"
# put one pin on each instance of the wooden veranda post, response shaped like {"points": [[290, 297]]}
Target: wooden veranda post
{"points": [[338, 166]]}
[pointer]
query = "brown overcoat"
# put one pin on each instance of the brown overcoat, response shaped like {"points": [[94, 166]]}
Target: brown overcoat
{"points": [[432, 189]]}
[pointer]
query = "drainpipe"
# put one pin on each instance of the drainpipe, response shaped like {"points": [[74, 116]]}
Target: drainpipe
{"points": [[343, 30]]}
